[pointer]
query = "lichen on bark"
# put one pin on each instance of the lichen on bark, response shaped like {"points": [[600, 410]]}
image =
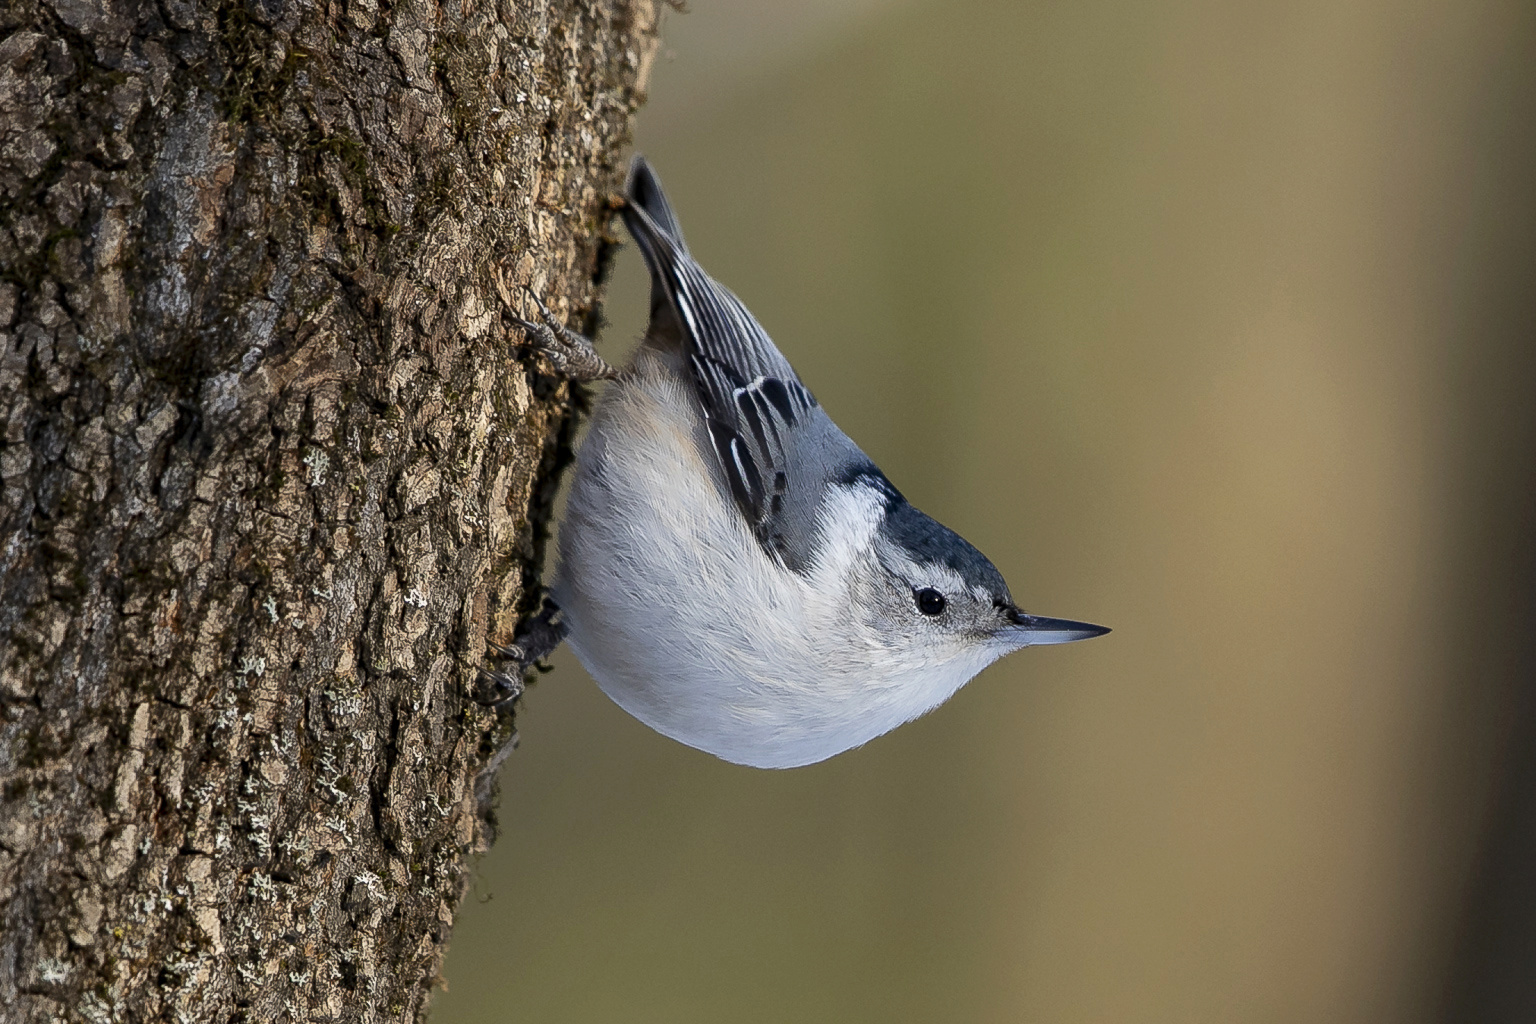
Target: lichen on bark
{"points": [[273, 474]]}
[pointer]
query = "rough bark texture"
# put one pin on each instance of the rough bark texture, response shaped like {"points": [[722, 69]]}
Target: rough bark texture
{"points": [[274, 468]]}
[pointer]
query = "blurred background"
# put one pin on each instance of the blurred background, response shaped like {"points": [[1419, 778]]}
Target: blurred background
{"points": [[1214, 323]]}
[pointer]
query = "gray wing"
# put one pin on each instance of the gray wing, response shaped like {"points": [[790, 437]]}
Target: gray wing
{"points": [[776, 447]]}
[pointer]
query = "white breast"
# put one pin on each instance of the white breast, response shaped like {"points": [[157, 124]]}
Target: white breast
{"points": [[688, 625]]}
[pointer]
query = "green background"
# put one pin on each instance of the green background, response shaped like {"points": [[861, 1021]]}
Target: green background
{"points": [[1209, 322]]}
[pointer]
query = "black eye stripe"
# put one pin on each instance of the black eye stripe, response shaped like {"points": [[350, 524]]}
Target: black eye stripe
{"points": [[929, 601]]}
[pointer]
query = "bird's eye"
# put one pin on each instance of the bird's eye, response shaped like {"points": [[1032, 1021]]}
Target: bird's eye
{"points": [[930, 601]]}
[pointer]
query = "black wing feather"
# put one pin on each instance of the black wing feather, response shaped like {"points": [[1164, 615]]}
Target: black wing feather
{"points": [[750, 395]]}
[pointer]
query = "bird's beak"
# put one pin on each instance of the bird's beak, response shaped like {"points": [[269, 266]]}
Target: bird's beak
{"points": [[1033, 630]]}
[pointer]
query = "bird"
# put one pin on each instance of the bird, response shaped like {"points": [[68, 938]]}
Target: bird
{"points": [[732, 569]]}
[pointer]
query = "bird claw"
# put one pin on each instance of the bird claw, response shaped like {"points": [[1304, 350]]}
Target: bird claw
{"points": [[570, 353], [535, 641], [499, 689]]}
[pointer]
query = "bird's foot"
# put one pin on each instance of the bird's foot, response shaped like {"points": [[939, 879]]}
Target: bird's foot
{"points": [[536, 640], [570, 353]]}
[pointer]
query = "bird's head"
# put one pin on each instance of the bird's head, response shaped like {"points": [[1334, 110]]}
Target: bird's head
{"points": [[940, 595]]}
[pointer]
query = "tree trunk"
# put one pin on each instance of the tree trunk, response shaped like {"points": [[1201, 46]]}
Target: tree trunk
{"points": [[275, 470]]}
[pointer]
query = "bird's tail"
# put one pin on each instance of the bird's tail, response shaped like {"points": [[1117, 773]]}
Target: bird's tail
{"points": [[643, 192], [654, 228]]}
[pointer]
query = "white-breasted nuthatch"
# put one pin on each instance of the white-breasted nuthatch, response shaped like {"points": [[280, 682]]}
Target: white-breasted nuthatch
{"points": [[733, 570]]}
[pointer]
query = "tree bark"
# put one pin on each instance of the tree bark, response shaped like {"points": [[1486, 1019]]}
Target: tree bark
{"points": [[275, 472]]}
